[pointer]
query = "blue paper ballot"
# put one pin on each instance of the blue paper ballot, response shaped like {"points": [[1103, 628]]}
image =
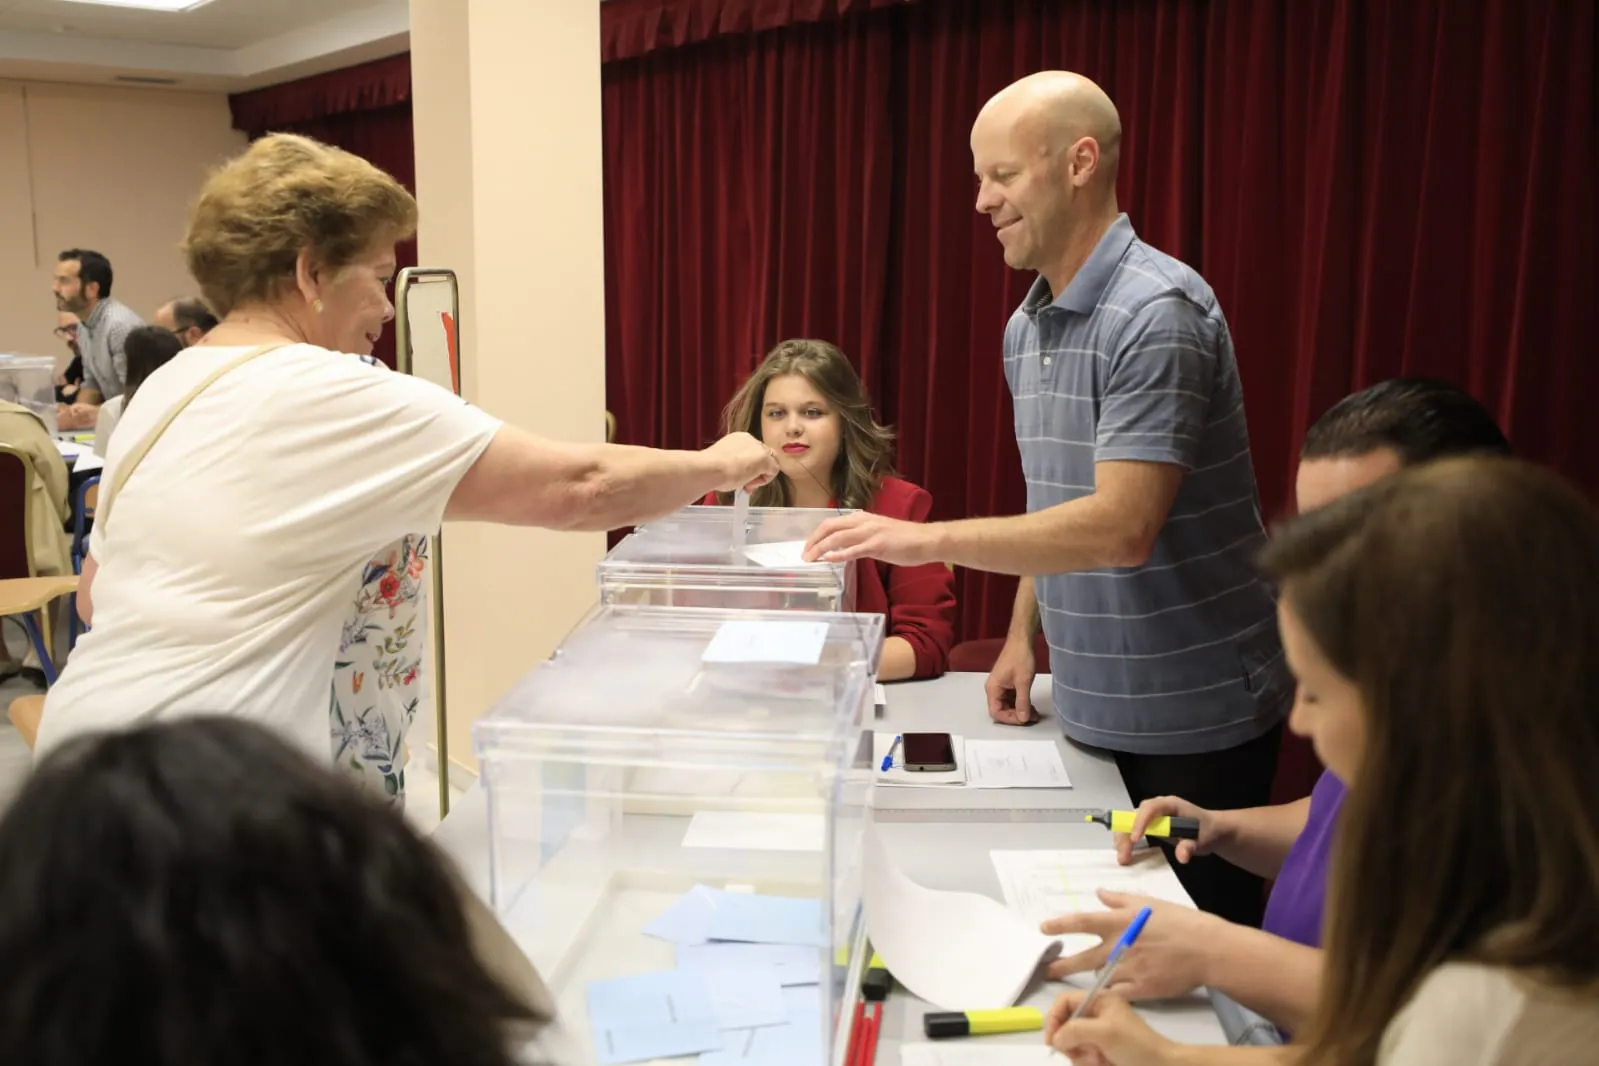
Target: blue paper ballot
{"points": [[799, 1043], [796, 964], [768, 920], [746, 998], [652, 1016], [802, 1001], [688, 921]]}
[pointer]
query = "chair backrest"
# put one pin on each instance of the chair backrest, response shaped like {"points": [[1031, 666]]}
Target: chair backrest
{"points": [[16, 485], [82, 515]]}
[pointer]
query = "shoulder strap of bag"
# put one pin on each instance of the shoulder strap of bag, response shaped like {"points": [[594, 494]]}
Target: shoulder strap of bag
{"points": [[130, 462]]}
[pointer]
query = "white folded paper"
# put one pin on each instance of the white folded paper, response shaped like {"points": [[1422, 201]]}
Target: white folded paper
{"points": [[778, 554], [756, 831], [957, 950]]}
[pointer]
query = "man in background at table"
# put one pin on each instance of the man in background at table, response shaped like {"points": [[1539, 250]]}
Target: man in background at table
{"points": [[82, 285], [1143, 519], [188, 319]]}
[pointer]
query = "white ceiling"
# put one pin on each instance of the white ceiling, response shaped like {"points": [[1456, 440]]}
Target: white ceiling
{"points": [[226, 45]]}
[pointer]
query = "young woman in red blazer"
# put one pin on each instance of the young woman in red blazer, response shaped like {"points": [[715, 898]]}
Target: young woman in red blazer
{"points": [[808, 404]]}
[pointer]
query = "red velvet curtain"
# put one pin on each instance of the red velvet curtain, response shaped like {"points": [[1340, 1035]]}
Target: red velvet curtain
{"points": [[1372, 189], [364, 109]]}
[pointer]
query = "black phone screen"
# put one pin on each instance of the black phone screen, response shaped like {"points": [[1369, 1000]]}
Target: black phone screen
{"points": [[929, 751]]}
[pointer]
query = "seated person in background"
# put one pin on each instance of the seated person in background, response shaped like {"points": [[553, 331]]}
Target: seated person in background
{"points": [[149, 347], [808, 404], [1276, 970], [188, 318], [49, 509], [1441, 627], [70, 379], [198, 892], [82, 286]]}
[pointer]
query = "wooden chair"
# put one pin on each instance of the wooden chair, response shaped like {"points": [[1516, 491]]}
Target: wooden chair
{"points": [[82, 515], [22, 595], [25, 713]]}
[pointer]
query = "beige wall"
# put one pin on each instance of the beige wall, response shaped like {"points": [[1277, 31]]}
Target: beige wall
{"points": [[506, 109], [111, 169]]}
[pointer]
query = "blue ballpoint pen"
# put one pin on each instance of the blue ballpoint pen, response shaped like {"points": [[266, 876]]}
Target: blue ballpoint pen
{"points": [[1112, 961], [888, 760]]}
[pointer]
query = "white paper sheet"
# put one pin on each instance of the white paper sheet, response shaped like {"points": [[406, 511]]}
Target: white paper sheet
{"points": [[741, 517], [957, 950], [1015, 764], [1039, 885], [897, 776], [976, 1053], [781, 554], [767, 642], [756, 831]]}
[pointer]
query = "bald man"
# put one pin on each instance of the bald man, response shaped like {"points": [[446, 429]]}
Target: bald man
{"points": [[1142, 518], [188, 318]]}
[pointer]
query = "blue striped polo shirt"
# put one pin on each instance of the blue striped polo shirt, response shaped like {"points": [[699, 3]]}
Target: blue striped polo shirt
{"points": [[1134, 362]]}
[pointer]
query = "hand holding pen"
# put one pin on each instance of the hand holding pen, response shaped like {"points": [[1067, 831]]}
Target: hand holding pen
{"points": [[1103, 1030]]}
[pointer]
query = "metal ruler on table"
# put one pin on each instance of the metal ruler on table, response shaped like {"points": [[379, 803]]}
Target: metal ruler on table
{"points": [[1063, 815]]}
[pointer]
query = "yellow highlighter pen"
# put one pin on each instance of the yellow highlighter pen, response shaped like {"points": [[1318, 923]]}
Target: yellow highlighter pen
{"points": [[939, 1024], [1170, 827]]}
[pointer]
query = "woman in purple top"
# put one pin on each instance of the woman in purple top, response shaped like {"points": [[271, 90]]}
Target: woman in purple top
{"points": [[1276, 970]]}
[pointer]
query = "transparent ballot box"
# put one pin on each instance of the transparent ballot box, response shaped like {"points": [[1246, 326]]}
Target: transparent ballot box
{"points": [[30, 380], [675, 821], [694, 558]]}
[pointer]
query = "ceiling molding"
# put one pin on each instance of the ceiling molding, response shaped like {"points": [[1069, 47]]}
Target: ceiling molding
{"points": [[374, 32]]}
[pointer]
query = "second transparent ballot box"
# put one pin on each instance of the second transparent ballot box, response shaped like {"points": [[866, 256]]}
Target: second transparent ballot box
{"points": [[30, 380], [676, 806], [696, 557]]}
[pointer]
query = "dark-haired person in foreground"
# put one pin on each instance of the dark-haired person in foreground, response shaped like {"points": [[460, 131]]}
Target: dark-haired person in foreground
{"points": [[198, 892], [1441, 627], [1276, 970]]}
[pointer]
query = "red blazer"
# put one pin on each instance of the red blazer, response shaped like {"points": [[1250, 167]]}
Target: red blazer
{"points": [[918, 600]]}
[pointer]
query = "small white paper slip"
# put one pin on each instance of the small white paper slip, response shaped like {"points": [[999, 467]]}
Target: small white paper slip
{"points": [[756, 831], [982, 957], [767, 642], [741, 517], [975, 1053], [784, 554], [1015, 764], [897, 776]]}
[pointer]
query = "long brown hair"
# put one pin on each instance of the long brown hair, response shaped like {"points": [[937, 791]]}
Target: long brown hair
{"points": [[1462, 599], [865, 446]]}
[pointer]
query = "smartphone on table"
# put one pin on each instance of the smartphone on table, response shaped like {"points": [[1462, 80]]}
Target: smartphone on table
{"points": [[928, 752]]}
